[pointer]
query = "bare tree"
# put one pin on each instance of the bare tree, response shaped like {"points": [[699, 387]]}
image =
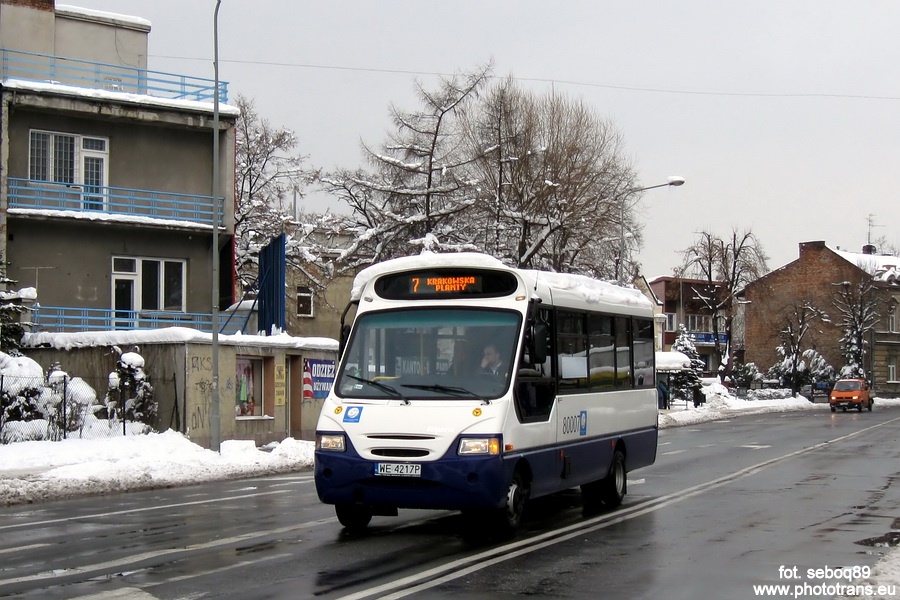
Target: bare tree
{"points": [[266, 174], [856, 305], [420, 179], [727, 265], [798, 318], [550, 173], [536, 180]]}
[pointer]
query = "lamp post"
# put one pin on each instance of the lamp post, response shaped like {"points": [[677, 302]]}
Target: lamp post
{"points": [[215, 420], [673, 181]]}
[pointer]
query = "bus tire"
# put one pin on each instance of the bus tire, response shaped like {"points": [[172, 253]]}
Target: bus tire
{"points": [[614, 486], [510, 516], [354, 517]]}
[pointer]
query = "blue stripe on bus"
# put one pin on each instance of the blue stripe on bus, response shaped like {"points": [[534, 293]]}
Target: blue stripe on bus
{"points": [[457, 483]]}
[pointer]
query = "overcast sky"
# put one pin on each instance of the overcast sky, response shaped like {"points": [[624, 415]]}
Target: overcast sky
{"points": [[783, 117]]}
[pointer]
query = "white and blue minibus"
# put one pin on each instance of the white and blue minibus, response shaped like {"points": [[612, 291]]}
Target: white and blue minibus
{"points": [[468, 385]]}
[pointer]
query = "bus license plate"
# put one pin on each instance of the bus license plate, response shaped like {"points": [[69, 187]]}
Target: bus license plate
{"points": [[398, 469]]}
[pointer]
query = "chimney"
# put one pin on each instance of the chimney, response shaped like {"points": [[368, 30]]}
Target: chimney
{"points": [[816, 245], [868, 249]]}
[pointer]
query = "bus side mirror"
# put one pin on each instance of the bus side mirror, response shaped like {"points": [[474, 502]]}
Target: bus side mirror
{"points": [[539, 342], [345, 335]]}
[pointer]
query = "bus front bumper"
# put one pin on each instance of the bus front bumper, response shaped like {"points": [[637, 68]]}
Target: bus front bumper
{"points": [[451, 483]]}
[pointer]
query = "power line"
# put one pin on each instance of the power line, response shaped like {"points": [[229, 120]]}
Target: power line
{"points": [[657, 90]]}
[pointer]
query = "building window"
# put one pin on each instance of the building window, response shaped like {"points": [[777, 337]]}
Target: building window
{"points": [[304, 301], [148, 284], [71, 160], [248, 387], [892, 320], [892, 368], [671, 322], [698, 323]]}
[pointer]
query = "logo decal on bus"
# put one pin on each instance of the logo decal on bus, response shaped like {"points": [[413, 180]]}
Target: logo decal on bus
{"points": [[583, 425], [353, 414]]}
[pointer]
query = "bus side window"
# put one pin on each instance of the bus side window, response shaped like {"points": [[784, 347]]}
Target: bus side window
{"points": [[534, 398], [535, 388]]}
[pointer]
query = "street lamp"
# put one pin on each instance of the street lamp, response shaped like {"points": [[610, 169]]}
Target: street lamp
{"points": [[673, 181]]}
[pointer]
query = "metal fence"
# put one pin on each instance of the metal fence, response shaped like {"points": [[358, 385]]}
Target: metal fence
{"points": [[60, 407]]}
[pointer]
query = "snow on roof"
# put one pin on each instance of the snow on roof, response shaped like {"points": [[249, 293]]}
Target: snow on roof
{"points": [[101, 216], [878, 261], [91, 339], [591, 290], [26, 293], [672, 361], [884, 267], [65, 9], [109, 95]]}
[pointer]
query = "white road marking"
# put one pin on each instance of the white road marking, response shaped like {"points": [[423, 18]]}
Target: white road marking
{"points": [[462, 567]]}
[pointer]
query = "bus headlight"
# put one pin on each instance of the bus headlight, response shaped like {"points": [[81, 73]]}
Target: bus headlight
{"points": [[331, 442], [479, 446]]}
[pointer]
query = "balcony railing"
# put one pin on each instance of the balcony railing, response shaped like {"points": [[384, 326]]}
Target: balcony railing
{"points": [[59, 319], [27, 193], [115, 78], [707, 338]]}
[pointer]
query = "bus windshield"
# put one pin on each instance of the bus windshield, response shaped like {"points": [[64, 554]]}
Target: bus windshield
{"points": [[430, 354]]}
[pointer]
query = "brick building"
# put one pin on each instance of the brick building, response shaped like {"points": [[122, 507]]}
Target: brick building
{"points": [[816, 277]]}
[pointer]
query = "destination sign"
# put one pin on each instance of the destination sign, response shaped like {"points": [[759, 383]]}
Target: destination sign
{"points": [[445, 285], [442, 283]]}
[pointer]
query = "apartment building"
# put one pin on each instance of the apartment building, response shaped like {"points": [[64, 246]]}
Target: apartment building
{"points": [[688, 302], [106, 174]]}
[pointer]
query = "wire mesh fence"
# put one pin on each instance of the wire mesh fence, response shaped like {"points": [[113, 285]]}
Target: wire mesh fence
{"points": [[62, 407]]}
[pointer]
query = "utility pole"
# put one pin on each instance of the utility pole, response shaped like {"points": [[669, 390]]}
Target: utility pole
{"points": [[215, 420]]}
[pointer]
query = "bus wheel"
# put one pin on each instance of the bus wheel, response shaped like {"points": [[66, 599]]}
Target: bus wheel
{"points": [[516, 498], [353, 516], [614, 486]]}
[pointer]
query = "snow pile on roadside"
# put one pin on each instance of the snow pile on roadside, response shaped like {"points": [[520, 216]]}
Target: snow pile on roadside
{"points": [[40, 470], [720, 404]]}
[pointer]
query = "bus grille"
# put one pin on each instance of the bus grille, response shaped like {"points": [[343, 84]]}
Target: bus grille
{"points": [[400, 452], [400, 437]]}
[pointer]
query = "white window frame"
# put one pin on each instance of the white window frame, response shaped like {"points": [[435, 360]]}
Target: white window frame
{"points": [[77, 165], [136, 277], [892, 368], [671, 322], [305, 291], [892, 320], [698, 323]]}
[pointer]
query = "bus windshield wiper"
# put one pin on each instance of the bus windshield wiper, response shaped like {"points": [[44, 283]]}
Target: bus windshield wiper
{"points": [[381, 386], [448, 389]]}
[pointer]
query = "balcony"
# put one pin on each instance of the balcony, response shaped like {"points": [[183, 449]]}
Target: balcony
{"points": [[43, 195], [59, 319], [45, 68]]}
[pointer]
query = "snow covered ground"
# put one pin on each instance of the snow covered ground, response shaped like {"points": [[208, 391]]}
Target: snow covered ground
{"points": [[40, 470]]}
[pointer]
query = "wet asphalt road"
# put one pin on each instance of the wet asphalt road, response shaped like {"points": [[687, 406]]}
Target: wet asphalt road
{"points": [[726, 505]]}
